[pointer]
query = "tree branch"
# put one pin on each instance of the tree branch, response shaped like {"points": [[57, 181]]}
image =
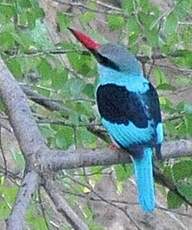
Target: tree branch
{"points": [[44, 101], [20, 115], [57, 160], [16, 219], [32, 144], [63, 207]]}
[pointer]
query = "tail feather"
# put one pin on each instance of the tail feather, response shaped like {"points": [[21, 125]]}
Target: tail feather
{"points": [[145, 181]]}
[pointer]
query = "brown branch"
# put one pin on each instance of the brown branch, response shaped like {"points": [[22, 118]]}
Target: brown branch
{"points": [[43, 212], [107, 6], [122, 209], [32, 144], [141, 58], [57, 160], [16, 219], [80, 5], [20, 115], [44, 101], [3, 153], [63, 207]]}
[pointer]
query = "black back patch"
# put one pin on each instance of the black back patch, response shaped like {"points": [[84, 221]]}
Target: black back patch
{"points": [[151, 99], [117, 105]]}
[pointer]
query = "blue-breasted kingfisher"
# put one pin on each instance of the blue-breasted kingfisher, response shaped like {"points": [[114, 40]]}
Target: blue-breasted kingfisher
{"points": [[130, 112]]}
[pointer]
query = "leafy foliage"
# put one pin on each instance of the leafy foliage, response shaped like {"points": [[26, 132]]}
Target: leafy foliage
{"points": [[71, 79]]}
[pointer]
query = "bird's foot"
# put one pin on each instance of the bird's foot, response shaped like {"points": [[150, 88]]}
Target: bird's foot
{"points": [[113, 147]]}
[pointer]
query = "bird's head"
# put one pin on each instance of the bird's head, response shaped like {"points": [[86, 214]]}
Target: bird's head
{"points": [[113, 56]]}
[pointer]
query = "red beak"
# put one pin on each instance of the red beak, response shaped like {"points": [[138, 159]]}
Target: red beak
{"points": [[88, 42]]}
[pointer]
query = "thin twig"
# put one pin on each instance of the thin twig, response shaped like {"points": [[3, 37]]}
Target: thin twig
{"points": [[106, 201], [3, 154], [44, 101], [42, 208], [114, 11], [109, 7], [38, 52], [121, 202], [63, 207], [151, 67], [4, 126], [174, 211]]}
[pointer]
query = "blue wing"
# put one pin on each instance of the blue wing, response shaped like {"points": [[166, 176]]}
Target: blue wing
{"points": [[132, 119]]}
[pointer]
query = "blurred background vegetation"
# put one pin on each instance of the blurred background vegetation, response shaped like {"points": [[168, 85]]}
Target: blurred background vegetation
{"points": [[52, 67]]}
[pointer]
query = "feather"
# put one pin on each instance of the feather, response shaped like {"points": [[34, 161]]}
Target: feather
{"points": [[144, 180]]}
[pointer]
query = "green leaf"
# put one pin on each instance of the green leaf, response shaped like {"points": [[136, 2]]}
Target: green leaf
{"points": [[152, 37], [170, 24], [89, 90], [7, 41], [32, 15], [47, 131], [85, 138], [123, 172], [188, 123], [167, 171], [63, 21], [36, 222], [97, 173], [83, 108], [43, 91], [8, 11], [23, 4], [160, 77], [187, 108], [64, 137], [45, 69], [173, 200], [59, 78], [133, 26], [34, 219], [24, 40], [185, 58], [182, 53], [22, 19], [83, 64], [8, 195], [181, 130], [2, 105], [75, 87], [182, 81], [89, 216], [15, 67], [166, 86], [146, 5], [185, 189], [184, 107], [74, 118], [115, 22], [166, 104], [182, 169], [128, 6], [87, 17], [170, 128], [40, 36]]}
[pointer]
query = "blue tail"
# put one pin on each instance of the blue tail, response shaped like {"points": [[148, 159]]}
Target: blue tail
{"points": [[145, 182]]}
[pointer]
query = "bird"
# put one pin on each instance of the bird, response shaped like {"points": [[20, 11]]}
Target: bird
{"points": [[130, 111]]}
